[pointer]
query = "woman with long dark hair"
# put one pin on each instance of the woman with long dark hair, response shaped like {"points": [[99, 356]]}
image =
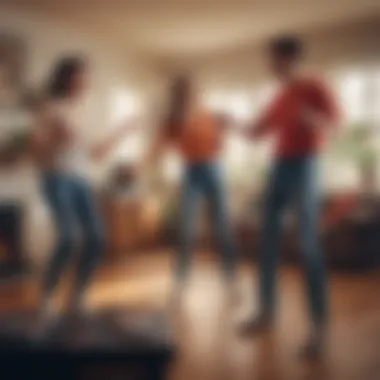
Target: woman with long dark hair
{"points": [[61, 155], [197, 135]]}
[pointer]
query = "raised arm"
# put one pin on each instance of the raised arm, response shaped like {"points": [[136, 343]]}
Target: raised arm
{"points": [[258, 128], [252, 129]]}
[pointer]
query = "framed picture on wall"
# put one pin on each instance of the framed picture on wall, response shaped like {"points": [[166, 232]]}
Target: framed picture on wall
{"points": [[17, 102], [12, 70]]}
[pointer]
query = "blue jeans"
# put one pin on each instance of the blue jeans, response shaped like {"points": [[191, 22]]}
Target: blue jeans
{"points": [[293, 180], [74, 209], [204, 179]]}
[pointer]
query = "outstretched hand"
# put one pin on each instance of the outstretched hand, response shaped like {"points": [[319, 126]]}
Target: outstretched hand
{"points": [[229, 123], [129, 125], [100, 150]]}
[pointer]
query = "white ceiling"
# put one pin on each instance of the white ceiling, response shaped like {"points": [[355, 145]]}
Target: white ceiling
{"points": [[176, 30]]}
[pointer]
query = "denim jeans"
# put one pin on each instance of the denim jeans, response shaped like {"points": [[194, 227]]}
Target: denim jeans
{"points": [[79, 228], [205, 179], [293, 182]]}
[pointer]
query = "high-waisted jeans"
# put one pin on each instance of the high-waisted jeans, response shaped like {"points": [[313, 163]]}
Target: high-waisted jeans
{"points": [[79, 228], [293, 181], [205, 179]]}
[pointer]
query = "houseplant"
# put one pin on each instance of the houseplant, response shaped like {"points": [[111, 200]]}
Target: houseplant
{"points": [[14, 147], [357, 146]]}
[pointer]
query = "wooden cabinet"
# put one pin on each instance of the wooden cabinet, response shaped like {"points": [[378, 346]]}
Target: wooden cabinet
{"points": [[132, 223]]}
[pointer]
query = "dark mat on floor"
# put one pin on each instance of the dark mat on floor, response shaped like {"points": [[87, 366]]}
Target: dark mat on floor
{"points": [[139, 339]]}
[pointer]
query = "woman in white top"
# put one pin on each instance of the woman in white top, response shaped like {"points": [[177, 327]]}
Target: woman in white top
{"points": [[60, 154]]}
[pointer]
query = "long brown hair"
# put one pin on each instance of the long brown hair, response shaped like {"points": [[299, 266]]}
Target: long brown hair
{"points": [[179, 100], [62, 75]]}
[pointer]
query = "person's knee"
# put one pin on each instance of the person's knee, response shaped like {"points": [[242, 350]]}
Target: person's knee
{"points": [[186, 235], [310, 245]]}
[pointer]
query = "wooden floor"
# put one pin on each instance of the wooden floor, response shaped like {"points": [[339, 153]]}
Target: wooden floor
{"points": [[205, 323]]}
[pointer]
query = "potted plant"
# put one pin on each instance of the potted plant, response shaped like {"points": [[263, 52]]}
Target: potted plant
{"points": [[356, 146], [15, 147]]}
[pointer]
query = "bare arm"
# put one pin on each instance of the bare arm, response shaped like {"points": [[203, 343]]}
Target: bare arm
{"points": [[228, 123], [101, 149], [251, 130], [154, 153], [256, 129]]}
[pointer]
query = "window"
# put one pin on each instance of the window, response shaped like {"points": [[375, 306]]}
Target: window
{"points": [[125, 105]]}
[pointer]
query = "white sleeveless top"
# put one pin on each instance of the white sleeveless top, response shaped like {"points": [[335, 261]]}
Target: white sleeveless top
{"points": [[74, 158]]}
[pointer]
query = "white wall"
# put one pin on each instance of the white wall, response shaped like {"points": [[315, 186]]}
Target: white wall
{"points": [[351, 44], [46, 41]]}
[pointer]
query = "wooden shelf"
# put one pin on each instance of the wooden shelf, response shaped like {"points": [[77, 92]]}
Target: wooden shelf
{"points": [[131, 223]]}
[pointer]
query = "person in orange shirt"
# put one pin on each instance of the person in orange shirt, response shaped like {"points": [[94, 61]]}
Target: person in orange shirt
{"points": [[299, 118], [197, 135]]}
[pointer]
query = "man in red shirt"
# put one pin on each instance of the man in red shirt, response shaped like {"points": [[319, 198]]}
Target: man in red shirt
{"points": [[299, 118]]}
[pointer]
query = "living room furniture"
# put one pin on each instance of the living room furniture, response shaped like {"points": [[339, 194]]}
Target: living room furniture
{"points": [[132, 223], [109, 345], [12, 261], [349, 232]]}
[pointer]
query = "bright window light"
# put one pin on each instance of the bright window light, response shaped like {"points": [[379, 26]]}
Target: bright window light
{"points": [[352, 92], [215, 101], [377, 97], [124, 104], [239, 106], [172, 168]]}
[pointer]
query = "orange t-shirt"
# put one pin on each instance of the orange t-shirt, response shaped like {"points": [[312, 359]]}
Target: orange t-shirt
{"points": [[199, 139], [294, 137]]}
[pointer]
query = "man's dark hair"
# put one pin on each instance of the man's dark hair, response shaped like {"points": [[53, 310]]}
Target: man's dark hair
{"points": [[287, 46], [63, 72]]}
